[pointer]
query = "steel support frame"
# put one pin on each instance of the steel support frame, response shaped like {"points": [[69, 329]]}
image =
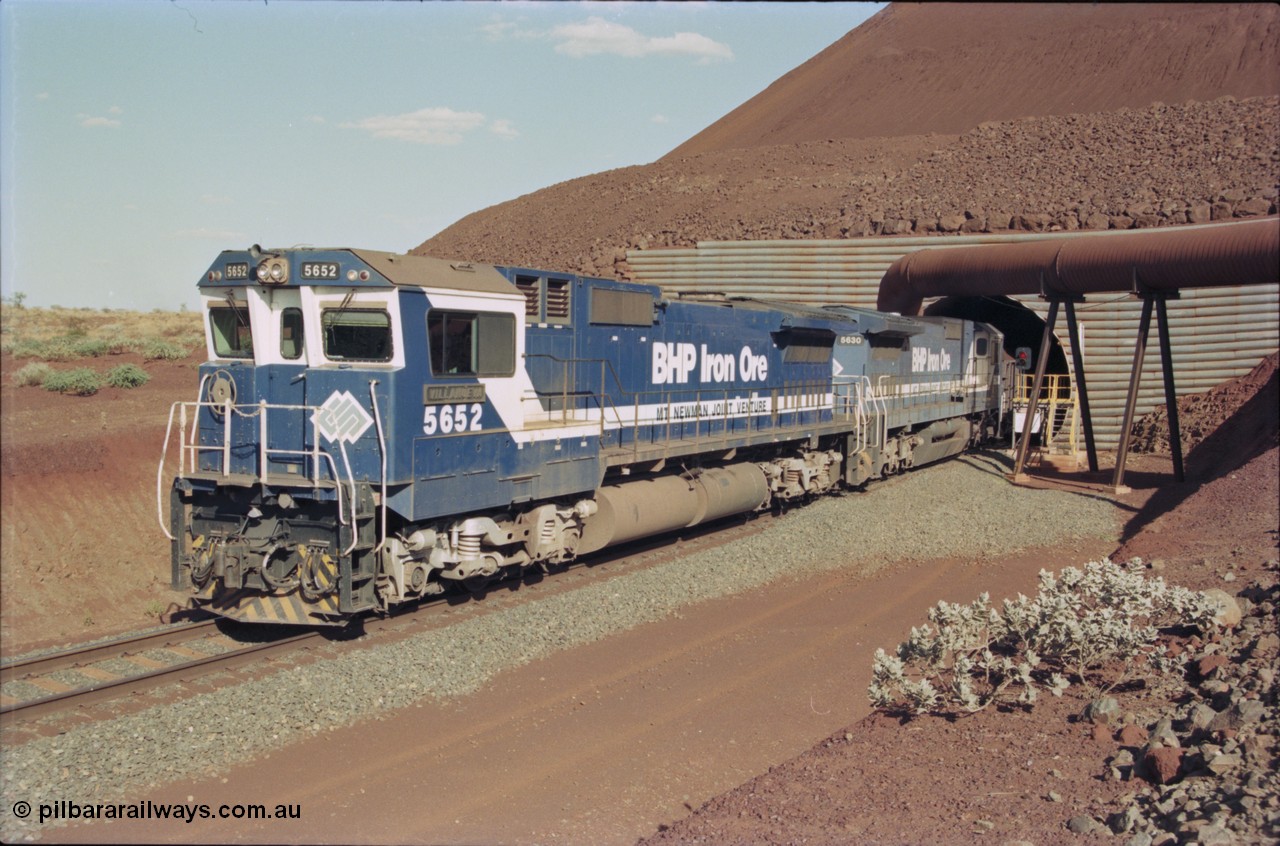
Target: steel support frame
{"points": [[1042, 363], [1150, 299]]}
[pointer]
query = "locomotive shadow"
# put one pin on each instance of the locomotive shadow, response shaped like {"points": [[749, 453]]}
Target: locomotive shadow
{"points": [[257, 633]]}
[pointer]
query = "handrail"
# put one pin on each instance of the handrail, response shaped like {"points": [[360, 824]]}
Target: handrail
{"points": [[164, 452], [189, 450], [195, 419], [1056, 400], [382, 449]]}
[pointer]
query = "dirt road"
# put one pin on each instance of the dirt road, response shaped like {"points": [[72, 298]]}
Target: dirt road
{"points": [[600, 744]]}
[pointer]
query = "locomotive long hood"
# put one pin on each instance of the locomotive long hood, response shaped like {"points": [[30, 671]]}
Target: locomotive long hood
{"points": [[1208, 256]]}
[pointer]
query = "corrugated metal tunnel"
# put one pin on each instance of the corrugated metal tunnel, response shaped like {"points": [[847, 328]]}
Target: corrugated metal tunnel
{"points": [[1219, 332]]}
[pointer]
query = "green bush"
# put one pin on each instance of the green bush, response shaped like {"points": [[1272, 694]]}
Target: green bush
{"points": [[153, 349], [90, 347], [32, 374], [82, 382], [127, 376], [31, 348]]}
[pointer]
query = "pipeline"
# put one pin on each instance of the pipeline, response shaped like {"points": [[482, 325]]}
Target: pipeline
{"points": [[1231, 254]]}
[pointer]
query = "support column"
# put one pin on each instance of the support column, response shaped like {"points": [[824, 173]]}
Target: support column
{"points": [[1131, 403], [1170, 393], [1077, 362], [1158, 300]]}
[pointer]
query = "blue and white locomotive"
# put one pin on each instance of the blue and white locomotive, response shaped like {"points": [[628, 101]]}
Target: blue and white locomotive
{"points": [[371, 428]]}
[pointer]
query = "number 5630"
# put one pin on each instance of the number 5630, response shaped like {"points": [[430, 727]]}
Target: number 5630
{"points": [[451, 418]]}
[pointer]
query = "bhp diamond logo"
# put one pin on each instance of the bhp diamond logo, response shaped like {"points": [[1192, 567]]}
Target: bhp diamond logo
{"points": [[342, 418]]}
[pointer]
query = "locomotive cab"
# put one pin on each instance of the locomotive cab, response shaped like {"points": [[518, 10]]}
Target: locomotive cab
{"points": [[288, 465]]}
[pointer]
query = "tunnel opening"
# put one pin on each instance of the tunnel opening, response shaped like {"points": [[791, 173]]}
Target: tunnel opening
{"points": [[1020, 326]]}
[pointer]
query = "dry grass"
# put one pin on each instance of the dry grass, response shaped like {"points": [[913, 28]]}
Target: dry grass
{"points": [[69, 334]]}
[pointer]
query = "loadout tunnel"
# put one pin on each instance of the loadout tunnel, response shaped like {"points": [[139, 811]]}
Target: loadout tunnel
{"points": [[1153, 266]]}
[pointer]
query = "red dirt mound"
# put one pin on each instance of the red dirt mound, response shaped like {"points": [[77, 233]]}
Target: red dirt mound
{"points": [[947, 67], [1201, 419]]}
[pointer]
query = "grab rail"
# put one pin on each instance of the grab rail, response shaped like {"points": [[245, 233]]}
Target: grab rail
{"points": [[189, 450]]}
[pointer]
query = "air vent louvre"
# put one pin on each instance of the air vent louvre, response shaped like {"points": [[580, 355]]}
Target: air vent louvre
{"points": [[557, 299]]}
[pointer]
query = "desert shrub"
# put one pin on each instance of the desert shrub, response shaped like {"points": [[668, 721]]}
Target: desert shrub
{"points": [[90, 347], [77, 325], [65, 347], [127, 376], [31, 374], [1081, 620], [61, 348], [81, 381], [154, 349], [35, 328], [22, 347]]}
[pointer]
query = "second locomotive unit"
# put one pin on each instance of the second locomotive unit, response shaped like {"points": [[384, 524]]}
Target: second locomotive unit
{"points": [[371, 428]]}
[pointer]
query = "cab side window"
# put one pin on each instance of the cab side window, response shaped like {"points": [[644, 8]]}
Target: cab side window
{"points": [[291, 333], [471, 343]]}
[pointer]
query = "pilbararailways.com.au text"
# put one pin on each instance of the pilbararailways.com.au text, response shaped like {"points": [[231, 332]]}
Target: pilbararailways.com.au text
{"points": [[188, 812]]}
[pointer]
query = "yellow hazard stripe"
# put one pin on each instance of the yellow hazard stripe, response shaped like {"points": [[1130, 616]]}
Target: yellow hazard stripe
{"points": [[253, 607]]}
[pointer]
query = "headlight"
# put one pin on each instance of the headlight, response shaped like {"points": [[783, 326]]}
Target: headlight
{"points": [[273, 271]]}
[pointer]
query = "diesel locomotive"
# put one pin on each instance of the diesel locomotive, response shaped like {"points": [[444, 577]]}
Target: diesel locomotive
{"points": [[373, 428]]}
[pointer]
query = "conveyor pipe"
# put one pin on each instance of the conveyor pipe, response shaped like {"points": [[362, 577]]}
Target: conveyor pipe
{"points": [[1245, 253]]}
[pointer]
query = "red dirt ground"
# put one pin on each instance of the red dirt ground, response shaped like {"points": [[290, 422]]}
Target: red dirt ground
{"points": [[81, 543]]}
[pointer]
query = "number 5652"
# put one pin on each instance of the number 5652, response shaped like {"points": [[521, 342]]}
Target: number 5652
{"points": [[451, 418]]}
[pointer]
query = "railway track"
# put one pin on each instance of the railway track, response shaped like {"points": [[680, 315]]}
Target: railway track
{"points": [[86, 675], [67, 680]]}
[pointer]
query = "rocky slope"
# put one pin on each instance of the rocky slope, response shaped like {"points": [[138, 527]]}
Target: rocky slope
{"points": [[947, 67], [1158, 166]]}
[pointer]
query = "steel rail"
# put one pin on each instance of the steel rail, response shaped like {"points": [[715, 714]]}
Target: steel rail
{"points": [[184, 671], [80, 656]]}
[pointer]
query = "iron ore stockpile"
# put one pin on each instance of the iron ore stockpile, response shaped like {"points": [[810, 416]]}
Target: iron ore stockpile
{"points": [[1163, 165], [976, 513]]}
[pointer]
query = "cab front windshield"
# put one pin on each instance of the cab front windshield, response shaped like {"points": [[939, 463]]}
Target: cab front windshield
{"points": [[232, 334]]}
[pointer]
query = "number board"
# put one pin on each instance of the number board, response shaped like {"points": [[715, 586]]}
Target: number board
{"points": [[327, 270], [237, 270]]}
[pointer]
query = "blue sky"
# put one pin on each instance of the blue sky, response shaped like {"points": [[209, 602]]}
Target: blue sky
{"points": [[138, 139]]}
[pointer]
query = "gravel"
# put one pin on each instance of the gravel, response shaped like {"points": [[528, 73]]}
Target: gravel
{"points": [[965, 508]]}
